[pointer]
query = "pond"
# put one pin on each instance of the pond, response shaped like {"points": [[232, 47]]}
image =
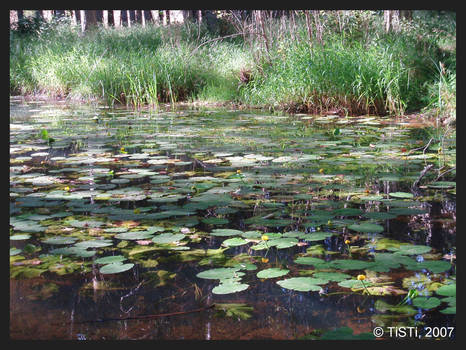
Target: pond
{"points": [[226, 224]]}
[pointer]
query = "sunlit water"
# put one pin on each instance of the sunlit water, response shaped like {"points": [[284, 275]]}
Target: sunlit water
{"points": [[192, 172]]}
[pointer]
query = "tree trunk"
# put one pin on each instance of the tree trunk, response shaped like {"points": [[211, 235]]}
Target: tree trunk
{"points": [[117, 18], [20, 15], [13, 17], [128, 18], [38, 14], [143, 18], [391, 20], [59, 13], [88, 19], [105, 18], [308, 25], [47, 15], [155, 16], [176, 16]]}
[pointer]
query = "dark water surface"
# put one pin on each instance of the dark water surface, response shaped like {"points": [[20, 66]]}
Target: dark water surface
{"points": [[82, 177]]}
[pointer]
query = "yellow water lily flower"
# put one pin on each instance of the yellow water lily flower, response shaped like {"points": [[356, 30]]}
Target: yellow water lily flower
{"points": [[238, 171], [265, 260], [66, 188], [265, 237], [361, 277], [347, 241], [321, 170]]}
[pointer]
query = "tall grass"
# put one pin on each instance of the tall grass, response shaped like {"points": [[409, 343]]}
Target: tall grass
{"points": [[349, 66], [134, 66]]}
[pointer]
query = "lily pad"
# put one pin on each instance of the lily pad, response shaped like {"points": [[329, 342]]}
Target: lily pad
{"points": [[116, 267], [302, 284], [272, 273], [426, 303], [366, 227], [404, 195], [233, 242]]}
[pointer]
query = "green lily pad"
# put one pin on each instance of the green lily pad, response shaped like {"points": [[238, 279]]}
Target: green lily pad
{"points": [[225, 232], [404, 195], [448, 290], [110, 259], [164, 238], [59, 240], [20, 237], [220, 273], [233, 242], [272, 273], [116, 267], [366, 227], [411, 249], [136, 235], [426, 303], [228, 287], [96, 243], [331, 276], [302, 284]]}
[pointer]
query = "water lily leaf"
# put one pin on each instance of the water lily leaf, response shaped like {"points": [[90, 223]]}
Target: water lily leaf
{"points": [[380, 215], [233, 242], [366, 227], [97, 243], [316, 236], [332, 276], [349, 264], [116, 267], [164, 238], [229, 286], [20, 237], [316, 262], [302, 284], [220, 273], [383, 306], [411, 249], [451, 310], [272, 273], [136, 235], [59, 240], [110, 259], [404, 195], [15, 251], [225, 232], [77, 251], [426, 303], [448, 290]]}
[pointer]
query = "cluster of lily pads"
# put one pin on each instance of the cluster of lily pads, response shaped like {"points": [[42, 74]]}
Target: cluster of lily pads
{"points": [[145, 188]]}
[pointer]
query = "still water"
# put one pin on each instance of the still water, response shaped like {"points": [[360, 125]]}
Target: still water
{"points": [[189, 206]]}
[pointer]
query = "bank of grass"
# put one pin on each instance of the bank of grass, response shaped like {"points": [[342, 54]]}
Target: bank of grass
{"points": [[134, 66], [347, 73]]}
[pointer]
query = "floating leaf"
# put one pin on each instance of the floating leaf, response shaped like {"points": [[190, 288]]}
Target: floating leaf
{"points": [[272, 273], [366, 227], [59, 240], [302, 284], [426, 303], [220, 273], [110, 259], [233, 242], [225, 232], [115, 267], [448, 290], [164, 238], [404, 195]]}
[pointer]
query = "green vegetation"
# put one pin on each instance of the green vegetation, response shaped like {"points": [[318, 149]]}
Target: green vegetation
{"points": [[350, 65]]}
